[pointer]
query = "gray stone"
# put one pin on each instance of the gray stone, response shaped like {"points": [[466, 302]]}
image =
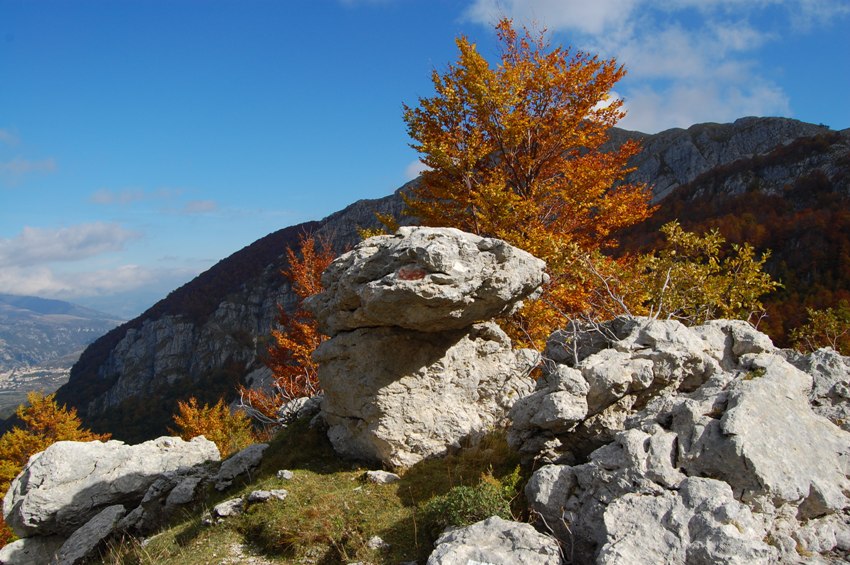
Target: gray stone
{"points": [[266, 495], [228, 508], [766, 415], [88, 538], [170, 491], [65, 486], [425, 279], [31, 551], [702, 524], [381, 477], [495, 540], [285, 475], [376, 542], [830, 394], [722, 403], [244, 462], [297, 408], [398, 396]]}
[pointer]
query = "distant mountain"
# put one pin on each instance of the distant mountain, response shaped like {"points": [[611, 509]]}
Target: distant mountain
{"points": [[210, 334], [40, 339]]}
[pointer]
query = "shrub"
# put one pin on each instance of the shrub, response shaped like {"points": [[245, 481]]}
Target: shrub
{"points": [[230, 431], [464, 505]]}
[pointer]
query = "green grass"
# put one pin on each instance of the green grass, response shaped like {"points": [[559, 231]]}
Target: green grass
{"points": [[331, 511]]}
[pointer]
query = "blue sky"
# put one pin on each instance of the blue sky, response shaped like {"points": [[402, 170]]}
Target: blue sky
{"points": [[141, 141]]}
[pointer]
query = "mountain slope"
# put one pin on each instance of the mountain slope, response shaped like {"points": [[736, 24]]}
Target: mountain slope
{"points": [[40, 340], [201, 340], [794, 201], [211, 333]]}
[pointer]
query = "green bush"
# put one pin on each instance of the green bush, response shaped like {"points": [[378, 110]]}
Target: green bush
{"points": [[464, 505]]}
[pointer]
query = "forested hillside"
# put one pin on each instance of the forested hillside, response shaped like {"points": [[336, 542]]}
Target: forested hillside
{"points": [[793, 201]]}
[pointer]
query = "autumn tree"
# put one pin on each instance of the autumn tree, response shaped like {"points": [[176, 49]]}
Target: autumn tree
{"points": [[829, 327], [516, 152], [42, 423], [230, 430], [695, 278], [294, 372]]}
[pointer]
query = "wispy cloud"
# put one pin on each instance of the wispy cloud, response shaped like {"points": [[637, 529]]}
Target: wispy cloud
{"points": [[35, 246], [688, 60], [199, 207], [8, 138], [124, 196], [15, 169], [108, 197], [47, 282]]}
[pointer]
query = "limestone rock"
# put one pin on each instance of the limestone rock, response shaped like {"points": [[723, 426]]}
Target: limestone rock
{"points": [[69, 483], [702, 523], [381, 477], [593, 377], [85, 540], [228, 508], [31, 551], [425, 279], [711, 448], [165, 495], [398, 396], [495, 540], [830, 394], [266, 495], [242, 463]]}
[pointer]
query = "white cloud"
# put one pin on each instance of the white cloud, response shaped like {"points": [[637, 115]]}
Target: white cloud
{"points": [[705, 49], [125, 196], [686, 104], [414, 169], [7, 137], [16, 168], [594, 18], [35, 246], [49, 283], [200, 207]]}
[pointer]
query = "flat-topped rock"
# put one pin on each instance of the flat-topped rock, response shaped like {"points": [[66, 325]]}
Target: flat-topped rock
{"points": [[425, 279], [70, 482]]}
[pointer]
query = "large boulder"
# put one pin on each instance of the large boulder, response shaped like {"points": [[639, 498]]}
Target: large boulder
{"points": [[710, 451], [425, 279], [398, 396], [495, 540], [69, 483], [413, 367]]}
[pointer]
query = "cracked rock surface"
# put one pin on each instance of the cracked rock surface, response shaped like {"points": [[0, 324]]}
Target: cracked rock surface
{"points": [[708, 446]]}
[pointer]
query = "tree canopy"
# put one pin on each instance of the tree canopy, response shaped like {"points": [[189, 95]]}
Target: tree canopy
{"points": [[517, 151]]}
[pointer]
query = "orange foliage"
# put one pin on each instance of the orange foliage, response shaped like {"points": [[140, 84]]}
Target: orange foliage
{"points": [[515, 152], [294, 372], [230, 431], [44, 423]]}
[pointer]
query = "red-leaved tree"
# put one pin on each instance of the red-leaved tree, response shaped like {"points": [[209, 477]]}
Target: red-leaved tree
{"points": [[295, 374]]}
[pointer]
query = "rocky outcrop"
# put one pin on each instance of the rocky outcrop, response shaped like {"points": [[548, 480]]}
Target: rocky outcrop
{"points": [[63, 487], [495, 540], [701, 447], [74, 495], [395, 393], [427, 280], [676, 157]]}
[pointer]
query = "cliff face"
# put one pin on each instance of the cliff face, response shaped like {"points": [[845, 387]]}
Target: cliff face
{"points": [[210, 334], [677, 156]]}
